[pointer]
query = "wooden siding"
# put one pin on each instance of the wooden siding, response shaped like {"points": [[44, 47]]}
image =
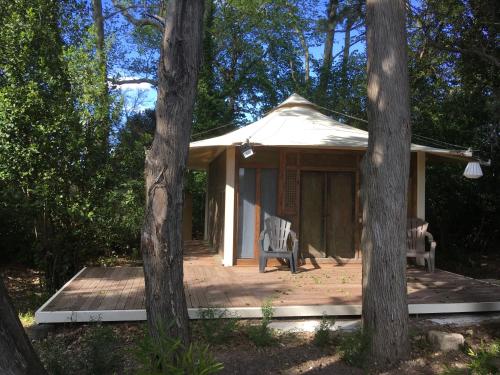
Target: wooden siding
{"points": [[216, 202], [292, 162]]}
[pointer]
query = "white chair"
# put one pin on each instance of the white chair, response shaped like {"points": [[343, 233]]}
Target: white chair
{"points": [[416, 236]]}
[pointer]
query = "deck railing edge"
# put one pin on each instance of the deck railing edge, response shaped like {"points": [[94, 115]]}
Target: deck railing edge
{"points": [[37, 313]]}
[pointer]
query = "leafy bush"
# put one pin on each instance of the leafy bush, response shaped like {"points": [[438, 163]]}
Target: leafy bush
{"points": [[54, 356], [217, 325], [352, 347], [262, 335], [322, 333], [482, 358], [166, 356], [101, 351]]}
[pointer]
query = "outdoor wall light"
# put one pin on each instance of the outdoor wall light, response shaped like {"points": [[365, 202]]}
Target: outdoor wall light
{"points": [[246, 150]]}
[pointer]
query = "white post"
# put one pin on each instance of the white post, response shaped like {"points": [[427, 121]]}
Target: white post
{"points": [[228, 259], [421, 185], [205, 227]]}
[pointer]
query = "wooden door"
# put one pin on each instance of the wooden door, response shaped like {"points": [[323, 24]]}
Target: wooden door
{"points": [[327, 223], [340, 223], [312, 243]]}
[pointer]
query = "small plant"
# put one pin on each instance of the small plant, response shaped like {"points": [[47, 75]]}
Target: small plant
{"points": [[166, 356], [352, 347], [27, 318], [482, 358], [322, 333], [101, 351], [218, 325], [262, 335], [54, 356], [110, 260]]}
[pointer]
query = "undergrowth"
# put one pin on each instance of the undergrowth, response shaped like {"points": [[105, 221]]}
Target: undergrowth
{"points": [[261, 334], [322, 334], [167, 356], [218, 325]]}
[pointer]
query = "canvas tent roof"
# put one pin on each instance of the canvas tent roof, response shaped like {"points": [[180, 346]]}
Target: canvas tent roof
{"points": [[294, 123]]}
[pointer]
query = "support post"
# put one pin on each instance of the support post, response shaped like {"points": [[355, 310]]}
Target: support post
{"points": [[205, 226], [228, 259], [421, 185]]}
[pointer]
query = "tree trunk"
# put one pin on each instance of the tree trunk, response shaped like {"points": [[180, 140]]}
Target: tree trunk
{"points": [[347, 45], [385, 183], [103, 114], [17, 356], [165, 167], [325, 71]]}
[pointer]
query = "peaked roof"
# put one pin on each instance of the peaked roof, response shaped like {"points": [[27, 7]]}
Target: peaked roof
{"points": [[294, 123]]}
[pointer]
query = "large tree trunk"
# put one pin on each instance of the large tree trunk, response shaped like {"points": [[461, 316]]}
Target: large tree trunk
{"points": [[384, 185], [17, 356], [165, 168]]}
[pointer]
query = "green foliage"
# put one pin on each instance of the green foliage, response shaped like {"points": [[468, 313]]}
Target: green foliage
{"points": [[352, 347], [27, 318], [482, 357], [55, 119], [455, 99], [323, 332], [218, 325], [99, 353], [261, 335], [55, 357], [166, 356]]}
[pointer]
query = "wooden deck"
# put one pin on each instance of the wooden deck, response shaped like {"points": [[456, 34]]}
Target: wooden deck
{"points": [[117, 294]]}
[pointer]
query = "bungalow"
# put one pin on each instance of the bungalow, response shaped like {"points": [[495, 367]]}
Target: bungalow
{"points": [[299, 164]]}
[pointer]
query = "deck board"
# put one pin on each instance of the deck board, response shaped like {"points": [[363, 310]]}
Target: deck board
{"points": [[209, 284]]}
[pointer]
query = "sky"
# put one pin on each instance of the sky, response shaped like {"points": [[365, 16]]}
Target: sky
{"points": [[139, 97]]}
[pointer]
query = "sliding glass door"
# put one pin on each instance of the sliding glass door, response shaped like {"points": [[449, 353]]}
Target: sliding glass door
{"points": [[257, 200]]}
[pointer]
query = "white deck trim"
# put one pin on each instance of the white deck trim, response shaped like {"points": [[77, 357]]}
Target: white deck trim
{"points": [[421, 185], [57, 293], [255, 312]]}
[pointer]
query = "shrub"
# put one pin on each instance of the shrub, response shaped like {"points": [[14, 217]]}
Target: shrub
{"points": [[352, 347], [167, 356], [101, 351], [322, 333], [54, 356], [482, 358], [217, 325], [262, 335]]}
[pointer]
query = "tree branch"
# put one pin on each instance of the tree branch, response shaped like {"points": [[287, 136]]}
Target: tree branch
{"points": [[155, 21], [118, 82]]}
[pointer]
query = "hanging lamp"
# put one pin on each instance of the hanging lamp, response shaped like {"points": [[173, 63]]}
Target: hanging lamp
{"points": [[473, 170]]}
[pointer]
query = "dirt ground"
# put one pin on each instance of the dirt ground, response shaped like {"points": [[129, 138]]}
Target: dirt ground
{"points": [[293, 353]]}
